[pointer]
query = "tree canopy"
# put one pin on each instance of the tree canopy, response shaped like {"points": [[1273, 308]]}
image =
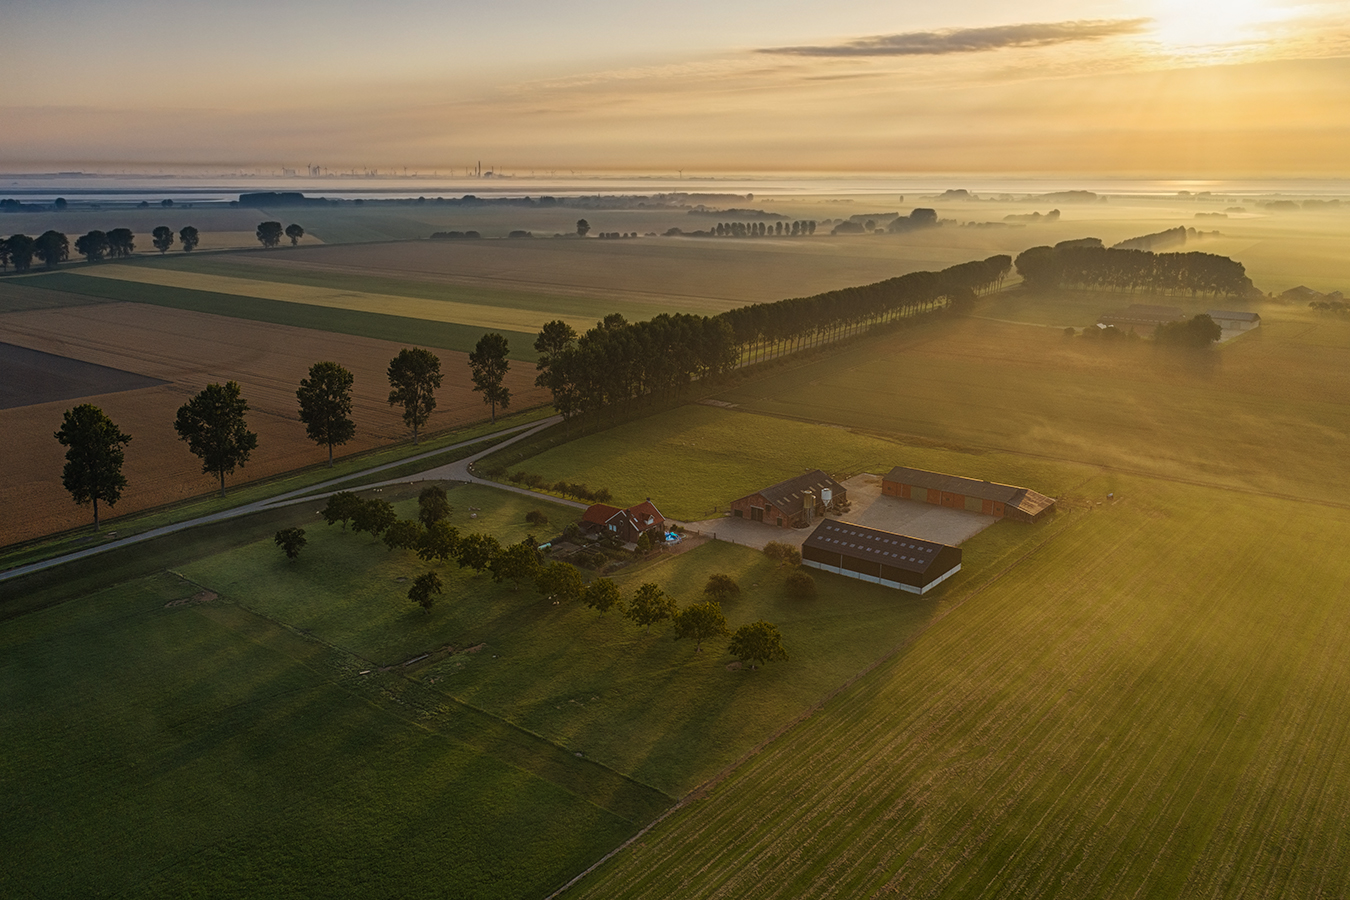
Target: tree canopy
{"points": [[602, 595], [561, 581], [20, 250], [1087, 265], [92, 246], [295, 233], [424, 590], [649, 605], [758, 642], [121, 243], [701, 622], [162, 238], [213, 425], [51, 247], [269, 234], [94, 457], [721, 588], [326, 405], [488, 366], [414, 376], [189, 237], [290, 540], [432, 505]]}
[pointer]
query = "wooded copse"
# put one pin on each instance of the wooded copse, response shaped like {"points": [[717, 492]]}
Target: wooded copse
{"points": [[1087, 265], [618, 362]]}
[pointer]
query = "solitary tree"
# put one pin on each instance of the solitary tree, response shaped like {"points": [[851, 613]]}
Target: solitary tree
{"points": [[800, 584], [432, 505], [51, 247], [212, 423], [4, 254], [757, 642], [340, 508], [560, 581], [326, 405], [424, 590], [92, 246], [20, 251], [295, 233], [189, 238], [583, 227], [162, 238], [290, 540], [269, 234], [602, 595], [721, 588], [94, 457], [650, 604], [488, 366], [414, 376], [701, 622]]}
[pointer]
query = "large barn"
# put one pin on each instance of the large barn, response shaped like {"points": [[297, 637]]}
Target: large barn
{"points": [[881, 557], [796, 502], [1141, 316], [1229, 320], [1003, 501]]}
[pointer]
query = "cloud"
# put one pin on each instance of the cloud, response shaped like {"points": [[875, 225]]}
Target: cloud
{"points": [[971, 40]]}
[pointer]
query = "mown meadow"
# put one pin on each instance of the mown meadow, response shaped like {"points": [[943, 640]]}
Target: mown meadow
{"points": [[201, 715]]}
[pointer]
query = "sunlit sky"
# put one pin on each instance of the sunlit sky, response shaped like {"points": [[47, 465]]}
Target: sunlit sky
{"points": [[1159, 88]]}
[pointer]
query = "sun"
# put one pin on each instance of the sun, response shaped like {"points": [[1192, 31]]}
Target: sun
{"points": [[1212, 23]]}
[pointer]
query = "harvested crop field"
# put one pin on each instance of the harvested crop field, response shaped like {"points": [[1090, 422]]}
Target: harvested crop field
{"points": [[683, 275], [187, 350], [29, 377]]}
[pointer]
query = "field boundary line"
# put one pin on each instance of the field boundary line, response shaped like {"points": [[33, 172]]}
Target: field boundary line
{"points": [[702, 790]]}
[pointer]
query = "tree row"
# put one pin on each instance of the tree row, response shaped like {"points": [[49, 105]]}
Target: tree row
{"points": [[1087, 265]]}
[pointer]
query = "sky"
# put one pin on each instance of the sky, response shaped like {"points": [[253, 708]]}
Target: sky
{"points": [[1149, 88]]}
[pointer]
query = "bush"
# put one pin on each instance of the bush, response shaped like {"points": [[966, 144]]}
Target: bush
{"points": [[782, 553], [519, 477], [291, 540], [801, 585], [721, 588], [536, 517]]}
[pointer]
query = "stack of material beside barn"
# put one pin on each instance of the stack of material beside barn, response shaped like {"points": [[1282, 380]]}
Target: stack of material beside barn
{"points": [[881, 557], [986, 497], [1235, 321], [1141, 317], [796, 502]]}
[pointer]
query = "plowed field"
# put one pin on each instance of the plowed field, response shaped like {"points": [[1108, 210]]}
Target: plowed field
{"points": [[189, 350]]}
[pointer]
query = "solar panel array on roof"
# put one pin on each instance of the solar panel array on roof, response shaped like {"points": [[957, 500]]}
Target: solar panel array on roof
{"points": [[887, 548]]}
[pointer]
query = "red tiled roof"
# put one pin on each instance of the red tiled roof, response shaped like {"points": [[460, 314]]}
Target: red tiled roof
{"points": [[644, 511], [599, 513]]}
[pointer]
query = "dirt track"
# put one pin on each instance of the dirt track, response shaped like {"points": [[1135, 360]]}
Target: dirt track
{"points": [[188, 350]]}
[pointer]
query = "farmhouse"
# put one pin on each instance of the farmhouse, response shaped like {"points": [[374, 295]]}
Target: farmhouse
{"points": [[881, 557], [1235, 321], [626, 524], [1141, 316], [987, 497], [792, 503]]}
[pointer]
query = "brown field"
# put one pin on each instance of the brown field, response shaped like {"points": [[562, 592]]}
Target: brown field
{"points": [[188, 350], [682, 274]]}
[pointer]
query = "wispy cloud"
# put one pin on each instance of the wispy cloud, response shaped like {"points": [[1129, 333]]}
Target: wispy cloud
{"points": [[971, 40]]}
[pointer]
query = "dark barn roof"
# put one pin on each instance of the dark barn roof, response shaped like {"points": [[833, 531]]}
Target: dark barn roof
{"points": [[1024, 499], [884, 547], [787, 495], [1142, 314]]}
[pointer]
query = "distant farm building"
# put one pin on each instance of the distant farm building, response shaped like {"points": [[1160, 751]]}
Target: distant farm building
{"points": [[1141, 317], [1235, 321], [881, 557], [627, 525], [796, 502], [1003, 501]]}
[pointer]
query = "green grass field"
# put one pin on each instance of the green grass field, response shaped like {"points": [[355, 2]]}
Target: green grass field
{"points": [[163, 742], [1152, 704], [694, 459]]}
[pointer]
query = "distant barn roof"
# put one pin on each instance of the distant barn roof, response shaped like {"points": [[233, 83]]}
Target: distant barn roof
{"points": [[885, 547], [787, 495], [1024, 499]]}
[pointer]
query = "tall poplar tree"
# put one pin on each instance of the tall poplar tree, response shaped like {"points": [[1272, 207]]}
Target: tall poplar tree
{"points": [[414, 376], [326, 405], [488, 366]]}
